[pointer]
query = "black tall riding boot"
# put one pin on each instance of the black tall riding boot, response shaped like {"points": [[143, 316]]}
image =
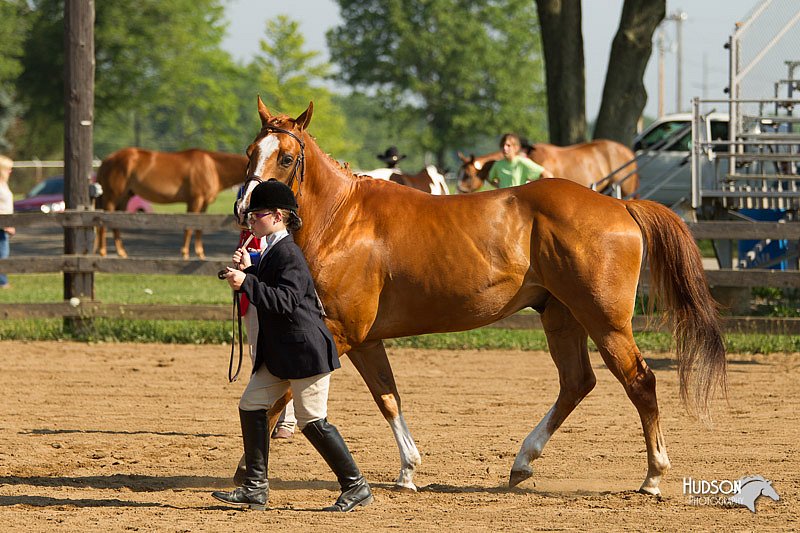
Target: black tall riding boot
{"points": [[254, 491], [330, 445]]}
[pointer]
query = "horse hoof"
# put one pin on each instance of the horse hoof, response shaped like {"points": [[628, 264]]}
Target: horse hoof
{"points": [[405, 488], [518, 476], [650, 491]]}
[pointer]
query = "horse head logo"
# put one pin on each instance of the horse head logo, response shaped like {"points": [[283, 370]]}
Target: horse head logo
{"points": [[753, 487]]}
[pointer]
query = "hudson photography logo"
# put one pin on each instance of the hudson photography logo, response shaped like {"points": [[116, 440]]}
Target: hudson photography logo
{"points": [[728, 493]]}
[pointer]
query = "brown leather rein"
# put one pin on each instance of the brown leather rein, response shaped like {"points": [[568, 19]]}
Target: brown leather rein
{"points": [[236, 318]]}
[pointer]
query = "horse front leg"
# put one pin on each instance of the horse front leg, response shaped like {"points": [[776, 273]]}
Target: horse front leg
{"points": [[187, 237], [373, 365], [198, 244], [100, 242]]}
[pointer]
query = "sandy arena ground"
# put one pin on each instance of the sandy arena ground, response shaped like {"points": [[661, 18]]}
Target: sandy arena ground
{"points": [[134, 437]]}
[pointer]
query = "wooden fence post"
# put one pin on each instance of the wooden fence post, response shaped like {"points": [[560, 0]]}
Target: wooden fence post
{"points": [[78, 149]]}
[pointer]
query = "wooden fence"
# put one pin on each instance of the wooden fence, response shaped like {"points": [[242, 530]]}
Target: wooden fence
{"points": [[178, 222]]}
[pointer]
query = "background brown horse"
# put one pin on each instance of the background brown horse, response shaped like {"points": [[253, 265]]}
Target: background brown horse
{"points": [[483, 257], [192, 176], [584, 163]]}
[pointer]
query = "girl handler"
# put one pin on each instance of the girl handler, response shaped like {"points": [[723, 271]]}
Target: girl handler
{"points": [[294, 350]]}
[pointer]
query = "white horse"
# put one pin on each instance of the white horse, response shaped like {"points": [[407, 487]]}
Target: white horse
{"points": [[429, 179]]}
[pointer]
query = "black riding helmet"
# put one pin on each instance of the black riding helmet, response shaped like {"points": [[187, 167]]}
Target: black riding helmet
{"points": [[272, 194]]}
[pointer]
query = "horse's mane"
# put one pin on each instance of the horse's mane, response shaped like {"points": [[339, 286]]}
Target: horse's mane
{"points": [[279, 122]]}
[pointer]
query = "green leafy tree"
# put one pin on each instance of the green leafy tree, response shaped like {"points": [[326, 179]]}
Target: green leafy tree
{"points": [[289, 77], [469, 68], [13, 25], [161, 78]]}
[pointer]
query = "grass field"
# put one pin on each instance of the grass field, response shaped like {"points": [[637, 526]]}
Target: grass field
{"points": [[201, 290]]}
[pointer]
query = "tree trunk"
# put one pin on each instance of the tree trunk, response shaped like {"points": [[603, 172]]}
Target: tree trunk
{"points": [[624, 95], [562, 42]]}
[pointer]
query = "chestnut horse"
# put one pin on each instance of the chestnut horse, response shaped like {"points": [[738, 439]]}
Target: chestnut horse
{"points": [[192, 176], [429, 179], [483, 257], [585, 163]]}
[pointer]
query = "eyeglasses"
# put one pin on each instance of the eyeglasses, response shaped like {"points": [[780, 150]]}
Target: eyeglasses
{"points": [[259, 216]]}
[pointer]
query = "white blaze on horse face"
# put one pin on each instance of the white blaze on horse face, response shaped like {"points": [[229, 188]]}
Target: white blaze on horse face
{"points": [[478, 165], [266, 147]]}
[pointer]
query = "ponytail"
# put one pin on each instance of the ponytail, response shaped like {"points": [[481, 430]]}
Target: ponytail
{"points": [[292, 221]]}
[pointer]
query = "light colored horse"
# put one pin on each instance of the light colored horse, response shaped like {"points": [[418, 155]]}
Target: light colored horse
{"points": [[483, 257], [191, 176], [429, 179]]}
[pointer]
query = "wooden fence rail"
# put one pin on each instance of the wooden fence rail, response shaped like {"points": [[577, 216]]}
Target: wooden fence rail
{"points": [[734, 230]]}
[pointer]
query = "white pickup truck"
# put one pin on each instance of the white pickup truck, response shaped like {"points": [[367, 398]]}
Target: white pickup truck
{"points": [[663, 150]]}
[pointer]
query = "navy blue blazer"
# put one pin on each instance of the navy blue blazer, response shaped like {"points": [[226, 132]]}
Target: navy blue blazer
{"points": [[293, 340]]}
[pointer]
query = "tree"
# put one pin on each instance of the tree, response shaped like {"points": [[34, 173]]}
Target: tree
{"points": [[13, 24], [624, 96], [562, 42], [290, 77], [154, 59], [468, 68]]}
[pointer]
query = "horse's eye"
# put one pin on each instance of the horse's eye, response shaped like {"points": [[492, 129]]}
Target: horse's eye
{"points": [[287, 160]]}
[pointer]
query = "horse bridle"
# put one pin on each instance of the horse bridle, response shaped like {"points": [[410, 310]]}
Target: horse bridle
{"points": [[299, 163]]}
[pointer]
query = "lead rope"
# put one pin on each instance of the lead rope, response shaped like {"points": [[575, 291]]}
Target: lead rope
{"points": [[237, 318]]}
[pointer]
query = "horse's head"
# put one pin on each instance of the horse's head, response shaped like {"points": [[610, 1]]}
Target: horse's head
{"points": [[278, 151], [469, 179]]}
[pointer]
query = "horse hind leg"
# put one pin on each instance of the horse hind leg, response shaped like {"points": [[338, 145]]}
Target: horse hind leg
{"points": [[373, 365], [567, 340], [622, 356]]}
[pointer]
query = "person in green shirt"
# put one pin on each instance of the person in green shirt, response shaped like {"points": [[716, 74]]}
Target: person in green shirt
{"points": [[514, 169]]}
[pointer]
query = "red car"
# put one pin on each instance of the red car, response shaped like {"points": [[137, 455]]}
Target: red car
{"points": [[47, 196]]}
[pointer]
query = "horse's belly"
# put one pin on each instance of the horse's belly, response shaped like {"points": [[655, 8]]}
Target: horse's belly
{"points": [[165, 193]]}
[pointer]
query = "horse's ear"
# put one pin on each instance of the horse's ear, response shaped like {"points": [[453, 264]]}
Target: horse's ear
{"points": [[305, 117], [263, 112], [462, 157]]}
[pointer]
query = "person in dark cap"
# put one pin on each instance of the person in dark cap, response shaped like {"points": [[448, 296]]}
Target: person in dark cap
{"points": [[295, 350], [391, 157]]}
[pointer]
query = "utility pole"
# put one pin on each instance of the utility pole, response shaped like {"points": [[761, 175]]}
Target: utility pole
{"points": [[678, 17], [661, 46], [78, 124]]}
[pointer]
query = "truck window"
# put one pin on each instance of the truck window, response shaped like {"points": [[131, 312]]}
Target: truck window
{"points": [[719, 131], [665, 131]]}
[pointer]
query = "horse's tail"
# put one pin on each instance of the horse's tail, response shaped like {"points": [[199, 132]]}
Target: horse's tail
{"points": [[678, 286]]}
